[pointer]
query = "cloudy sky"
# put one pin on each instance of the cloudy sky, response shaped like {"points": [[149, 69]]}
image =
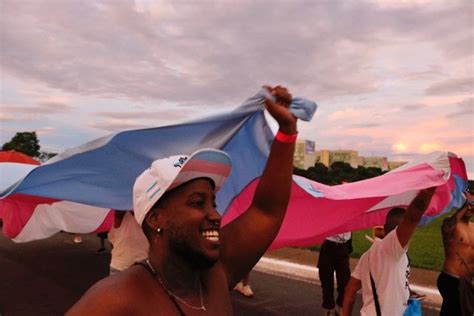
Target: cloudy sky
{"points": [[392, 78]]}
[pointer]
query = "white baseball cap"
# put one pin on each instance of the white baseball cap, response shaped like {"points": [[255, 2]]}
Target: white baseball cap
{"points": [[168, 173]]}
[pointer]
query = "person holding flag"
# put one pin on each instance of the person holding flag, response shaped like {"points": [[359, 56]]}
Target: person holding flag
{"points": [[193, 263]]}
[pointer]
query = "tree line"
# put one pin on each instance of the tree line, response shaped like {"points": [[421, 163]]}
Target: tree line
{"points": [[337, 173], [28, 144]]}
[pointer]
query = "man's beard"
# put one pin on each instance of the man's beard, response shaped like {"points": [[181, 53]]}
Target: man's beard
{"points": [[194, 257], [180, 244]]}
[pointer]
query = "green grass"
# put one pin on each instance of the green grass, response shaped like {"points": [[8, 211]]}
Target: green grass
{"points": [[426, 246]]}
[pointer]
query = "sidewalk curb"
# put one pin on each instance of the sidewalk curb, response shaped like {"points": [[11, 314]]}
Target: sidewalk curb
{"points": [[310, 274]]}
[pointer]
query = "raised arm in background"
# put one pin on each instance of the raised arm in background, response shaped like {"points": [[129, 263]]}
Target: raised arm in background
{"points": [[413, 215]]}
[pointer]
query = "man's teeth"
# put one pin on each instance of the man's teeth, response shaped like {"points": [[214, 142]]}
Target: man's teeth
{"points": [[212, 235]]}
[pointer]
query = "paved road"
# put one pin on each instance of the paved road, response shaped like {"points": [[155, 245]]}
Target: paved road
{"points": [[46, 277], [276, 295]]}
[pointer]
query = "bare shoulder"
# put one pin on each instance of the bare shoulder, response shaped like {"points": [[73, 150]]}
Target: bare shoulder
{"points": [[116, 295]]}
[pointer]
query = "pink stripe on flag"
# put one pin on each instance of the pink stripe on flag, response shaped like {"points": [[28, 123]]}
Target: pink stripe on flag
{"points": [[329, 210], [458, 167], [108, 222], [17, 211], [208, 167]]}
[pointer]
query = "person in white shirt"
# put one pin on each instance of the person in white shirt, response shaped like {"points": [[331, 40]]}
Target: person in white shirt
{"points": [[384, 269], [129, 242]]}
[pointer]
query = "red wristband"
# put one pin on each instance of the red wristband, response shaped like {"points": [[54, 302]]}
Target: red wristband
{"points": [[285, 138]]}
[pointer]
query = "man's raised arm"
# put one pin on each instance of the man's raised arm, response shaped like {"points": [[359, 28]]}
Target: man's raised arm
{"points": [[247, 238], [413, 215]]}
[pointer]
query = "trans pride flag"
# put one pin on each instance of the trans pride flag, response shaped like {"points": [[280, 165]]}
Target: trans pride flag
{"points": [[316, 211], [99, 176], [76, 190], [28, 217]]}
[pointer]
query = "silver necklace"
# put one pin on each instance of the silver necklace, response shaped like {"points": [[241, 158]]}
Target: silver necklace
{"points": [[172, 295]]}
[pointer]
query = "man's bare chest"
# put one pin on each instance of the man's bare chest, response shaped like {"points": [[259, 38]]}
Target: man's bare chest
{"points": [[461, 243], [463, 235]]}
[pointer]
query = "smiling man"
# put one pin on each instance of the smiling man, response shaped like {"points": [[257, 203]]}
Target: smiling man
{"points": [[193, 263]]}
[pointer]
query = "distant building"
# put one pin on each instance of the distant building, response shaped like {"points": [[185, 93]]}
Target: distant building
{"points": [[322, 156], [395, 164], [304, 156], [376, 162], [348, 156], [328, 157]]}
